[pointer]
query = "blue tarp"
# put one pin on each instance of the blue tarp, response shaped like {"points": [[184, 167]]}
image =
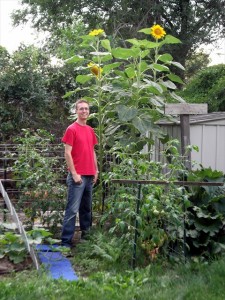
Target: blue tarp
{"points": [[57, 265]]}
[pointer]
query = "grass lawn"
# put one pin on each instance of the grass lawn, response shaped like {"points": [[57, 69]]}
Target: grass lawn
{"points": [[200, 281]]}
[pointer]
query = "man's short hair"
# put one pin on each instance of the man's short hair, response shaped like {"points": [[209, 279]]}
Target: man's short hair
{"points": [[80, 101]]}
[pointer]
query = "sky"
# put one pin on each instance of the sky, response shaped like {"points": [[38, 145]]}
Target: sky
{"points": [[11, 37]]}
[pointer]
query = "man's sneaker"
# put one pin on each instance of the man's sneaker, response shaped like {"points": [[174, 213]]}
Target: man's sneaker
{"points": [[84, 234]]}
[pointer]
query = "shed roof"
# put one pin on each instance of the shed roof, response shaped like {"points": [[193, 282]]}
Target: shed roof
{"points": [[194, 119]]}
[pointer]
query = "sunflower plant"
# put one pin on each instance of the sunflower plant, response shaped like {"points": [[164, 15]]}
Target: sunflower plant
{"points": [[127, 86]]}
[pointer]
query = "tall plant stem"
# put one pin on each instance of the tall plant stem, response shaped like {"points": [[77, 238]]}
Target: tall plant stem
{"points": [[100, 137]]}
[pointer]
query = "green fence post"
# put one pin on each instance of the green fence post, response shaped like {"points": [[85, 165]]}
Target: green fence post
{"points": [[136, 227], [184, 230]]}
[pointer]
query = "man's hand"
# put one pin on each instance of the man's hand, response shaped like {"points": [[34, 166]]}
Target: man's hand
{"points": [[77, 178], [95, 178]]}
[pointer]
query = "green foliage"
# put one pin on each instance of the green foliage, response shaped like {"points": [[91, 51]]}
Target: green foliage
{"points": [[12, 245], [102, 251], [31, 90], [38, 169], [159, 222], [21, 89], [195, 63], [158, 281], [4, 57], [206, 215], [66, 41], [180, 19], [127, 87], [165, 208], [207, 87]]}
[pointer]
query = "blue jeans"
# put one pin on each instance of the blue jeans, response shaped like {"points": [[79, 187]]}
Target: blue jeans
{"points": [[79, 199]]}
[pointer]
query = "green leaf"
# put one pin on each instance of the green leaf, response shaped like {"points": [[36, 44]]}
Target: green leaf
{"points": [[160, 68], [154, 101], [219, 204], [143, 43], [75, 58], [68, 94], [192, 233], [16, 257], [145, 30], [130, 72], [111, 129], [107, 88], [218, 247], [124, 53], [176, 97], [165, 57], [151, 84], [17, 247], [158, 99], [109, 67], [143, 66], [144, 53], [83, 78], [142, 124], [212, 228], [99, 53], [154, 90], [169, 39], [205, 242], [37, 240], [168, 84], [175, 78], [177, 64], [106, 44], [126, 113], [87, 37], [105, 58], [134, 42], [149, 45], [120, 74], [122, 225]]}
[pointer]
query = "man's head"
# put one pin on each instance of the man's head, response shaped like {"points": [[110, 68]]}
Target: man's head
{"points": [[80, 101], [82, 110]]}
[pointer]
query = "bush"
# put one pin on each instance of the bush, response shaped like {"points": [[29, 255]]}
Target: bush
{"points": [[39, 173], [207, 87]]}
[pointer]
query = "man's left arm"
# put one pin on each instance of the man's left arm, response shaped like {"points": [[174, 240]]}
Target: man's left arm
{"points": [[96, 168]]}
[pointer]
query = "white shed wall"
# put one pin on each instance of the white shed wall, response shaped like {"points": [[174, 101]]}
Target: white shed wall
{"points": [[208, 136], [211, 142]]}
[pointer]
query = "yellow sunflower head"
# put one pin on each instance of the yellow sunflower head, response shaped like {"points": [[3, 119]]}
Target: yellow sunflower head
{"points": [[157, 32], [95, 69], [96, 32]]}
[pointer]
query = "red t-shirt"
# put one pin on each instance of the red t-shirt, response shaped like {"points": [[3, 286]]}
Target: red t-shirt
{"points": [[82, 138]]}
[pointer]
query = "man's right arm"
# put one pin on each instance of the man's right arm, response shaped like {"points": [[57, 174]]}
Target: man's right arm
{"points": [[70, 164]]}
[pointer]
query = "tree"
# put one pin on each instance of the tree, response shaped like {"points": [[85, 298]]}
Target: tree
{"points": [[194, 22], [4, 58], [31, 91], [195, 63], [207, 87]]}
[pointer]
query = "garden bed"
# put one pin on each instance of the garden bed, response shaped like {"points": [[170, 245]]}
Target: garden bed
{"points": [[7, 267]]}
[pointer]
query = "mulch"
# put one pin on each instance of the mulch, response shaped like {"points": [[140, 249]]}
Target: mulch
{"points": [[7, 267]]}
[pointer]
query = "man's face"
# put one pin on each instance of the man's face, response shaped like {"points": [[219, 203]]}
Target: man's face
{"points": [[82, 111]]}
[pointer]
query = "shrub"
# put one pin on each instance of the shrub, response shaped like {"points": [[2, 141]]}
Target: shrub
{"points": [[207, 87]]}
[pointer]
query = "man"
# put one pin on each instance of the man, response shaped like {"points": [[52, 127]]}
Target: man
{"points": [[79, 141]]}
